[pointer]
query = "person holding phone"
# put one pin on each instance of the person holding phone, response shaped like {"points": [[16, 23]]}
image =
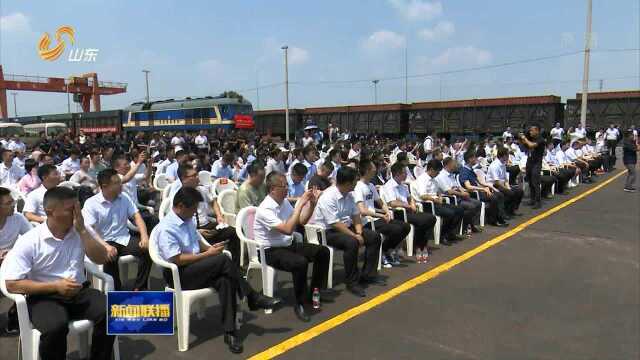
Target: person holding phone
{"points": [[536, 145]]}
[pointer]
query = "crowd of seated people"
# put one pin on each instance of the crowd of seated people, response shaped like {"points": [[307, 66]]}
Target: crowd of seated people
{"points": [[96, 197]]}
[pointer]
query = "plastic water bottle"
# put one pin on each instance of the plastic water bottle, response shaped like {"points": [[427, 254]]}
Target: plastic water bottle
{"points": [[316, 298]]}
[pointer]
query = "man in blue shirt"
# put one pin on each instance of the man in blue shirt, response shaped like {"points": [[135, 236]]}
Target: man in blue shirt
{"points": [[202, 266], [296, 181], [221, 168], [495, 199]]}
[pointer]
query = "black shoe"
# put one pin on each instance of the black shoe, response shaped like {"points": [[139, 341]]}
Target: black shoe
{"points": [[356, 290], [501, 224], [234, 342], [475, 229], [457, 238], [445, 242], [327, 295], [373, 280], [298, 309], [536, 206], [515, 214], [258, 301]]}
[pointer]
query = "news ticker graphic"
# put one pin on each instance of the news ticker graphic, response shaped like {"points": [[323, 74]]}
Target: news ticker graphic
{"points": [[140, 313]]}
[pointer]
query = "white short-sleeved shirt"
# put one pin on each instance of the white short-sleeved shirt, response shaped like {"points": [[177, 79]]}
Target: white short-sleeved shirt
{"points": [[14, 226], [131, 187], [34, 201], [201, 141], [70, 166], [556, 133], [175, 236], [572, 154], [171, 171], [612, 134], [274, 165], [334, 207], [269, 215], [109, 218], [497, 172], [426, 185], [581, 132], [204, 207], [391, 191], [40, 256], [367, 194], [445, 181], [428, 144], [9, 176], [221, 170]]}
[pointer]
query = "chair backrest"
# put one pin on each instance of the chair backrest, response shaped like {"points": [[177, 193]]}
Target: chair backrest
{"points": [[160, 182], [244, 229], [69, 184], [205, 178], [154, 254], [413, 189], [480, 175], [227, 201], [417, 171], [18, 197], [165, 192], [165, 206], [221, 184]]}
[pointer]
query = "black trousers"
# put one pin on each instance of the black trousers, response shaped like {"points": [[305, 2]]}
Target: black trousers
{"points": [[423, 224], [512, 198], [547, 182], [611, 145], [472, 209], [212, 235], [150, 220], [349, 247], [451, 218], [594, 165], [563, 176], [50, 314], [295, 259], [534, 169], [395, 231], [495, 206], [220, 273], [514, 171], [144, 263]]}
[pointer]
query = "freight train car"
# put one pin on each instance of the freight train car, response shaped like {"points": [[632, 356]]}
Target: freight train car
{"points": [[484, 116], [604, 108], [388, 119]]}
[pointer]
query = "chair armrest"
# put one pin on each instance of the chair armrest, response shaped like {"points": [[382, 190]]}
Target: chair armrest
{"points": [[476, 193], [93, 269], [297, 237], [312, 231], [433, 206], [144, 207], [132, 227], [403, 210]]}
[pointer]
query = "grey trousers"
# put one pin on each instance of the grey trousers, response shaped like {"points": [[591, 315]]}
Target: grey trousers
{"points": [[631, 176]]}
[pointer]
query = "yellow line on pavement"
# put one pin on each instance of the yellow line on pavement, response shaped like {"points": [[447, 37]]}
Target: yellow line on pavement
{"points": [[382, 298]]}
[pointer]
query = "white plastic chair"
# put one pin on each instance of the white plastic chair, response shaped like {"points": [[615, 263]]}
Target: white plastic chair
{"points": [[477, 195], [417, 171], [436, 228], [165, 206], [244, 230], [409, 239], [184, 299], [226, 200], [205, 178], [160, 182], [311, 232], [221, 184], [165, 192], [382, 239], [29, 341], [69, 184]]}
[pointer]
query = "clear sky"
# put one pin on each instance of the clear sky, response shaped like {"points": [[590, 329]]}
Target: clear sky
{"points": [[197, 48]]}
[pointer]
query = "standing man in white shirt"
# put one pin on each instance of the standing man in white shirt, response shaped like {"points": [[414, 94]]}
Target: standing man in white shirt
{"points": [[354, 153], [10, 174], [108, 213], [611, 137], [47, 265], [34, 203], [428, 145], [336, 211], [275, 222], [556, 134], [201, 141], [507, 134], [580, 132]]}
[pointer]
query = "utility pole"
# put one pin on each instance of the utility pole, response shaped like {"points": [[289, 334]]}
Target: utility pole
{"points": [[146, 77], [375, 91], [15, 106], [585, 78], [286, 92]]}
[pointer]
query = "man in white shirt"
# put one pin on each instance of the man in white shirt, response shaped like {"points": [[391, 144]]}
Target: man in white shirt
{"points": [[497, 177], [275, 222], [397, 195], [612, 134], [108, 213], [354, 153], [131, 179], [448, 185], [428, 145], [275, 162], [15, 144], [171, 171], [201, 141], [556, 134], [507, 134], [47, 265], [451, 214], [580, 132], [71, 164], [366, 197], [10, 174], [162, 166], [83, 176], [177, 140], [337, 213], [33, 208]]}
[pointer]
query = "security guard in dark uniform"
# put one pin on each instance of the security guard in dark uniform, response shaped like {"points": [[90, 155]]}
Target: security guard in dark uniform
{"points": [[535, 143]]}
